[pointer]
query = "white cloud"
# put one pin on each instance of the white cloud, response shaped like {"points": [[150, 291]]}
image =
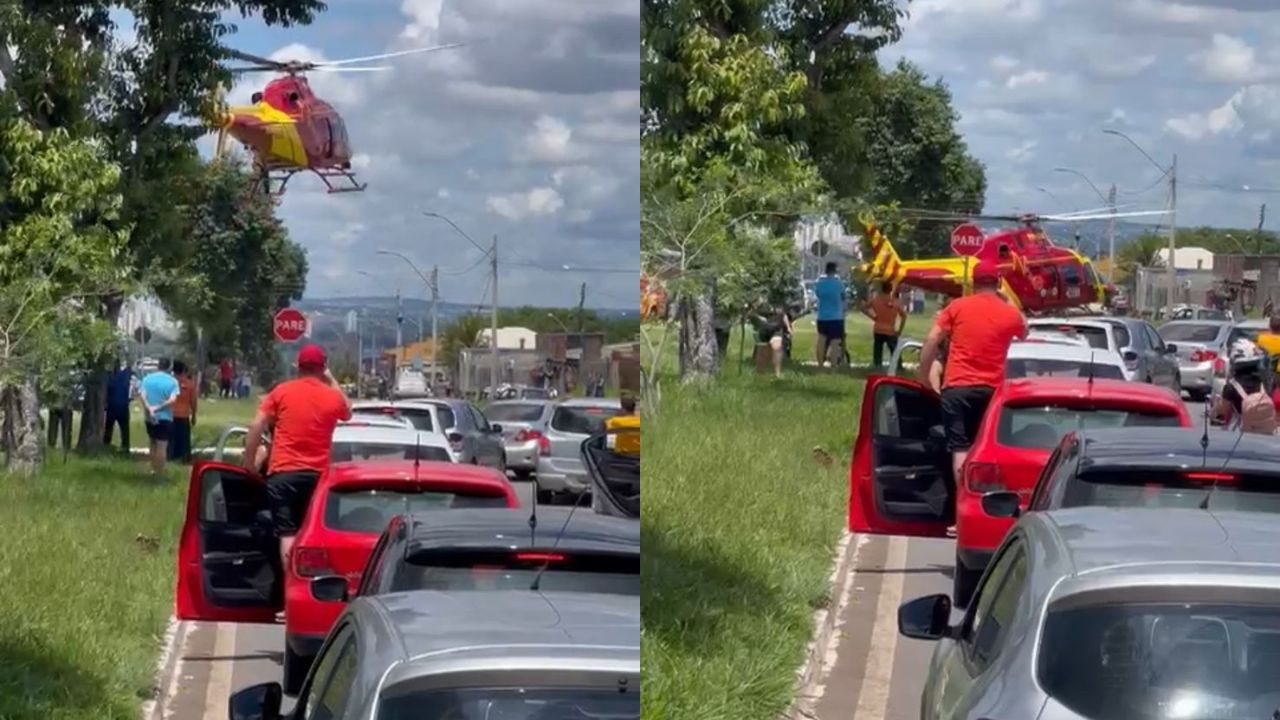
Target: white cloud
{"points": [[1023, 152], [518, 206], [1231, 60], [1029, 77], [1004, 63], [549, 140], [1221, 119]]}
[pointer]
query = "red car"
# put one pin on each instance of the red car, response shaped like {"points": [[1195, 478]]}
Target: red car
{"points": [[901, 473], [228, 556]]}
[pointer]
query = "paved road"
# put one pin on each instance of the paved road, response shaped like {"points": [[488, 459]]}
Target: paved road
{"points": [[216, 659]]}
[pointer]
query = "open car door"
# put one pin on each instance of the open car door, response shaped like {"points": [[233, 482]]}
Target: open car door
{"points": [[228, 555], [905, 356], [615, 477], [900, 479]]}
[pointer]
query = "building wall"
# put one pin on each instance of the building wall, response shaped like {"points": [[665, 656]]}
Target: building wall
{"points": [[1188, 258], [510, 338]]}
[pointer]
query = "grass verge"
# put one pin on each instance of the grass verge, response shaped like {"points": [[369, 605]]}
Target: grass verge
{"points": [[83, 601]]}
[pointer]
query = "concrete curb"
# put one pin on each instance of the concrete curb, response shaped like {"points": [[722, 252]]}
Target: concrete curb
{"points": [[819, 655], [168, 671]]}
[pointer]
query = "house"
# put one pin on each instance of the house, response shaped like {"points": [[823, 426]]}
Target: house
{"points": [[1187, 258], [509, 338]]}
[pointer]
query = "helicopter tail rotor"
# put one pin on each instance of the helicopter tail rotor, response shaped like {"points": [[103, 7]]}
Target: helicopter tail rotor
{"points": [[884, 263]]}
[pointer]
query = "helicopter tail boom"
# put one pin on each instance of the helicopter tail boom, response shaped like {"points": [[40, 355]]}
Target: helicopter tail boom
{"points": [[884, 263]]}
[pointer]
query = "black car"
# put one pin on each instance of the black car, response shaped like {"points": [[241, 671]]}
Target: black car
{"points": [[499, 549], [1155, 467]]}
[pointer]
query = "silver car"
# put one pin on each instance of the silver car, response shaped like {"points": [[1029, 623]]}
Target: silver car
{"points": [[1202, 352], [524, 425], [1147, 357], [1094, 613], [473, 438], [560, 468], [505, 654]]}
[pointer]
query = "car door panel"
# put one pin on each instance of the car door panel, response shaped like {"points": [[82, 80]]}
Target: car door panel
{"points": [[901, 470], [228, 557]]}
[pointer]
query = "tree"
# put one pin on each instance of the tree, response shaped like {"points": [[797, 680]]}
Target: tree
{"points": [[458, 336], [1142, 251], [59, 253]]}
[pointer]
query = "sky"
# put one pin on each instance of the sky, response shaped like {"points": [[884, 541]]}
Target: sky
{"points": [[529, 132], [1037, 81]]}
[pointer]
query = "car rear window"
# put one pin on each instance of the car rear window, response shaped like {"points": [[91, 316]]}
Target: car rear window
{"points": [[535, 394], [419, 417], [1095, 336], [582, 419], [513, 413], [612, 574], [1143, 487], [370, 509], [1040, 427], [349, 452], [1189, 333], [1027, 367], [511, 703], [1162, 660], [447, 420]]}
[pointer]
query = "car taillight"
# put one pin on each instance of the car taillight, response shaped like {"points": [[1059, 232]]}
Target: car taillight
{"points": [[1220, 367], [539, 557], [311, 562], [1210, 477], [527, 435], [1203, 356], [983, 478], [544, 445]]}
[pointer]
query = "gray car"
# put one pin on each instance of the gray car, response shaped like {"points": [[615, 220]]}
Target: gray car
{"points": [[1147, 357], [502, 655], [472, 436], [560, 468], [1093, 613], [1202, 352], [524, 424]]}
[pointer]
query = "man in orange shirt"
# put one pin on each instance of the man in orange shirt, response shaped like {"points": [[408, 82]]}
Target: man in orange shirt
{"points": [[978, 329], [302, 414], [886, 311], [184, 414]]}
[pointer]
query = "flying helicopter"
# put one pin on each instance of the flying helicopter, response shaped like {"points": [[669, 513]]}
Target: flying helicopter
{"points": [[289, 129], [1037, 275]]}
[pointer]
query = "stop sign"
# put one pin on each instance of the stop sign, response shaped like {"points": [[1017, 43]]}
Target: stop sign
{"points": [[966, 239], [290, 325]]}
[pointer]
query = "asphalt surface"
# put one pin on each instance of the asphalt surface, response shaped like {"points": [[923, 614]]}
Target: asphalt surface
{"points": [[216, 659]]}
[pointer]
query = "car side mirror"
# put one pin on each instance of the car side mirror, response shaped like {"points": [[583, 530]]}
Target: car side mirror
{"points": [[1168, 348], [495, 428], [925, 618], [257, 702], [329, 588], [1130, 356], [1003, 504]]}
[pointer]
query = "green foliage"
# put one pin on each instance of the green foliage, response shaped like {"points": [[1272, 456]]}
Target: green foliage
{"points": [[1142, 251], [460, 335]]}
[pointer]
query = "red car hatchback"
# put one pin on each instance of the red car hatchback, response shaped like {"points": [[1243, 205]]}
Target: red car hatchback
{"points": [[228, 556], [900, 479]]}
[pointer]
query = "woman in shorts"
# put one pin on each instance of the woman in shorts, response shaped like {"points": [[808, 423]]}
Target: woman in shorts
{"points": [[773, 328]]}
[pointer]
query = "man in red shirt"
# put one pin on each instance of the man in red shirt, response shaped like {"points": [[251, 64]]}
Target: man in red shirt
{"points": [[978, 329], [302, 414]]}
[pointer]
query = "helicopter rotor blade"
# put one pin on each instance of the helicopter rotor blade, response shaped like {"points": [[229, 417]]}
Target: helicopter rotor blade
{"points": [[376, 68], [399, 53], [255, 59], [255, 68], [1102, 216]]}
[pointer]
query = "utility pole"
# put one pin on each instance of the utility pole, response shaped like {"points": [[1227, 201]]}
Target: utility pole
{"points": [[395, 371], [1173, 234], [435, 319], [582, 343], [1111, 236], [1262, 218], [493, 320]]}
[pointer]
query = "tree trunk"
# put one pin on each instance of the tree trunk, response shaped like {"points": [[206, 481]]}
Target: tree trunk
{"points": [[21, 428], [699, 353], [93, 416]]}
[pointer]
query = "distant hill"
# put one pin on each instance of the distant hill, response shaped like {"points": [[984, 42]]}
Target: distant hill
{"points": [[1093, 234]]}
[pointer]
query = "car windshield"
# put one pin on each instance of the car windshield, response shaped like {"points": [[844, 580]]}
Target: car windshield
{"points": [[582, 419], [351, 451], [419, 417], [612, 573], [1189, 333], [1040, 427], [1095, 336], [535, 394], [1160, 487], [512, 703], [1166, 660], [368, 510], [513, 413], [1027, 367]]}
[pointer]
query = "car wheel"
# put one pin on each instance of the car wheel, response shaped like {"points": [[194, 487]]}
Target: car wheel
{"points": [[963, 584], [294, 671], [545, 497], [1197, 395]]}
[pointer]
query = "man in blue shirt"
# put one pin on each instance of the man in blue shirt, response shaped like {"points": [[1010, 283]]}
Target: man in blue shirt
{"points": [[119, 393], [158, 392], [830, 293]]}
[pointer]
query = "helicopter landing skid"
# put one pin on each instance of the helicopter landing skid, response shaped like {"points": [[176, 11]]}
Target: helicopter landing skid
{"points": [[266, 180]]}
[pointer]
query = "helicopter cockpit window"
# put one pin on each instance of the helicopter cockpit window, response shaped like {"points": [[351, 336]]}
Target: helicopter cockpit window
{"points": [[1071, 273], [256, 98]]}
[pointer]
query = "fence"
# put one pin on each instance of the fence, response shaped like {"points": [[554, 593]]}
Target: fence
{"points": [[1152, 289]]}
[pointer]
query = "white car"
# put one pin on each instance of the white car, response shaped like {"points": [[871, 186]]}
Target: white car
{"points": [[377, 441], [411, 383], [418, 416], [1056, 338], [1038, 359]]}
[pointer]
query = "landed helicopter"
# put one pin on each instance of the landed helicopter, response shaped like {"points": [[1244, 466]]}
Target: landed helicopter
{"points": [[289, 129], [1035, 274]]}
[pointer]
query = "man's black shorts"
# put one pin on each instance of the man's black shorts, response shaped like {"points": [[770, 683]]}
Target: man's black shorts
{"points": [[160, 431], [962, 410], [290, 493], [831, 329]]}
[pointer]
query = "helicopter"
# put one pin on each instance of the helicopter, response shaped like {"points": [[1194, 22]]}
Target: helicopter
{"points": [[289, 129], [1035, 274]]}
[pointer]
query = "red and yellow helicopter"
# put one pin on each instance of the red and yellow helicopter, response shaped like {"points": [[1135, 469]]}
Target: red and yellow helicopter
{"points": [[289, 129], [1036, 275]]}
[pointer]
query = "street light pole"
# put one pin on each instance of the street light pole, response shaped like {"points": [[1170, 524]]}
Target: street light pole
{"points": [[1111, 236], [493, 319], [1172, 174], [435, 319]]}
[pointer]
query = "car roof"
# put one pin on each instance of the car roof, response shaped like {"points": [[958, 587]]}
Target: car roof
{"points": [[397, 469], [1178, 448], [388, 434], [1253, 324], [592, 402], [422, 632], [1086, 322], [1216, 323], [522, 401], [1065, 389], [379, 404], [1056, 351], [509, 528]]}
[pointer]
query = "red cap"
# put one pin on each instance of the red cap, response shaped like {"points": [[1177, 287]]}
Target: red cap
{"points": [[986, 273], [311, 356]]}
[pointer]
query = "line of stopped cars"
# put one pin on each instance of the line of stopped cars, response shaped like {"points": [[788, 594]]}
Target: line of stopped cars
{"points": [[1115, 559], [418, 585]]}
